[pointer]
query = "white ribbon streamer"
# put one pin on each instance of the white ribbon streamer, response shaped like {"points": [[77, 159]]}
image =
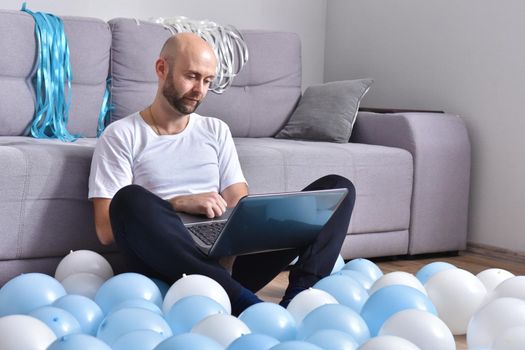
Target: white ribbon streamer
{"points": [[227, 42]]}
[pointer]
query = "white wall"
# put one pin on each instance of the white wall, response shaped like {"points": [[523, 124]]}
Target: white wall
{"points": [[305, 17], [465, 57]]}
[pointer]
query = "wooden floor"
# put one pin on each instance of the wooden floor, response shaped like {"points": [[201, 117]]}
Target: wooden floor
{"points": [[472, 262]]}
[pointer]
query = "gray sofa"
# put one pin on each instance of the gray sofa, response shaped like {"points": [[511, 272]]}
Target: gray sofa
{"points": [[411, 170]]}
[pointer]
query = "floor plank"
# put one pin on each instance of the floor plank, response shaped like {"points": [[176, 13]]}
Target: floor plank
{"points": [[472, 262]]}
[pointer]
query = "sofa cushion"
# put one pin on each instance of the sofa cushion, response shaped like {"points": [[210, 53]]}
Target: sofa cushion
{"points": [[133, 78], [45, 187], [18, 45], [44, 208], [89, 42], [259, 102], [326, 112], [265, 93], [89, 45], [382, 175]]}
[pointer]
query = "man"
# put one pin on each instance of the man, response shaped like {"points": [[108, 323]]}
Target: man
{"points": [[167, 159]]}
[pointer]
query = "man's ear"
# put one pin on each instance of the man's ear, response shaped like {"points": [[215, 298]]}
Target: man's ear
{"points": [[161, 68]]}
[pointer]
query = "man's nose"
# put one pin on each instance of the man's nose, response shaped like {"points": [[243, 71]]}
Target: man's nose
{"points": [[200, 86]]}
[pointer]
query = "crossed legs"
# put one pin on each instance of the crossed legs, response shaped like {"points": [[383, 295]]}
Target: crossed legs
{"points": [[155, 242]]}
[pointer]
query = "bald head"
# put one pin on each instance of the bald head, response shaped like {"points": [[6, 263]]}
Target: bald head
{"points": [[188, 45]]}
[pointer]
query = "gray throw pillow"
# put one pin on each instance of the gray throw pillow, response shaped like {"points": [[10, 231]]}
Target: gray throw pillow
{"points": [[326, 112]]}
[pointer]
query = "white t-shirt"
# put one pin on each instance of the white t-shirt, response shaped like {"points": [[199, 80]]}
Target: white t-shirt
{"points": [[201, 158]]}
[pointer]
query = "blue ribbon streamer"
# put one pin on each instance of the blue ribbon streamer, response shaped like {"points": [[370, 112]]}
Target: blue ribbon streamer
{"points": [[52, 80], [104, 116]]}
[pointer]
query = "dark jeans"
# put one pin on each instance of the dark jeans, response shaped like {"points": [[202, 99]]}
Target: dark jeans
{"points": [[155, 243]]}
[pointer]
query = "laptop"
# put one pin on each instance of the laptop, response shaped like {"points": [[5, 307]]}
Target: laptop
{"points": [[265, 222]]}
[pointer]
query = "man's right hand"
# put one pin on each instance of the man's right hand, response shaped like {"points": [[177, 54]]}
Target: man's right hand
{"points": [[210, 204]]}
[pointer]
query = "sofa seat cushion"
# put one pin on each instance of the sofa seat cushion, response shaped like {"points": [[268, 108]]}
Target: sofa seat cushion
{"points": [[44, 208], [382, 175], [44, 184]]}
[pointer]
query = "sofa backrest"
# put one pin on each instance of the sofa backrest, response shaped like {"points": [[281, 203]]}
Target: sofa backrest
{"points": [[258, 103], [89, 43]]}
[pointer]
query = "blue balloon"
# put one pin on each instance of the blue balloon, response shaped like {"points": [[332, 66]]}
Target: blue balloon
{"points": [[270, 319], [339, 264], [138, 340], [77, 342], [27, 292], [334, 316], [253, 341], [363, 280], [189, 341], [345, 290], [163, 286], [296, 345], [429, 270], [332, 339], [366, 267], [137, 303], [127, 320], [388, 300], [86, 311], [60, 321], [127, 286], [188, 311]]}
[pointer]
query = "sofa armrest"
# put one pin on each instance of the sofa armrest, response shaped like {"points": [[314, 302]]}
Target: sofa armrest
{"points": [[440, 147]]}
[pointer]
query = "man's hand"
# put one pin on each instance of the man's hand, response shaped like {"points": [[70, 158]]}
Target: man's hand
{"points": [[210, 204]]}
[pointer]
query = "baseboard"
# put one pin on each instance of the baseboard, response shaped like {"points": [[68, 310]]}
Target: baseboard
{"points": [[495, 252]]}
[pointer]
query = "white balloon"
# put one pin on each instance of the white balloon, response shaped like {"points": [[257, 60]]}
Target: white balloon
{"points": [[190, 285], [83, 261], [388, 342], [491, 278], [422, 328], [513, 287], [511, 339], [397, 277], [457, 294], [222, 328], [83, 283], [24, 332], [493, 319], [307, 301]]}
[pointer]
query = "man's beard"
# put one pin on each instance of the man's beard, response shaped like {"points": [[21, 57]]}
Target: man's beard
{"points": [[177, 101]]}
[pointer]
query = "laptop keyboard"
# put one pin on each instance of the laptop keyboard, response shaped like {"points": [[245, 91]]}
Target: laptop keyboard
{"points": [[208, 232]]}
